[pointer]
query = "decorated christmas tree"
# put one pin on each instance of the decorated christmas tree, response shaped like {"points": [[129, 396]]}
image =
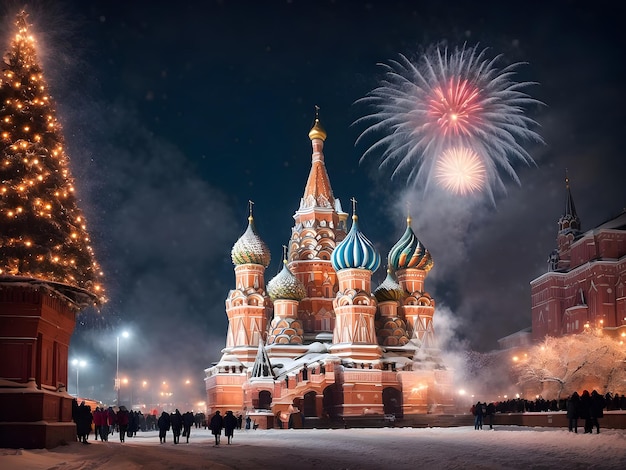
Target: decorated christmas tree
{"points": [[43, 232]]}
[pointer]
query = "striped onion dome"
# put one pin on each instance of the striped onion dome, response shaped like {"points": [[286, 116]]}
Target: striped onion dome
{"points": [[409, 252], [250, 249], [286, 286], [355, 251], [389, 289]]}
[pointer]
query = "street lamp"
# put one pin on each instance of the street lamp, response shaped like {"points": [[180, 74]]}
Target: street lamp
{"points": [[78, 363], [125, 334]]}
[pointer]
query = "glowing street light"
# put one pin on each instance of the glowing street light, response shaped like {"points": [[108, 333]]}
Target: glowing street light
{"points": [[125, 334], [78, 363]]}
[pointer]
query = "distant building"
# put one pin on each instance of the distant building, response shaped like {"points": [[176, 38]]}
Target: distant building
{"points": [[318, 341], [585, 285]]}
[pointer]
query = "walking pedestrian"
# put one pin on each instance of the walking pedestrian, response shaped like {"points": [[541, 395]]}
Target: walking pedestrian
{"points": [[216, 425]]}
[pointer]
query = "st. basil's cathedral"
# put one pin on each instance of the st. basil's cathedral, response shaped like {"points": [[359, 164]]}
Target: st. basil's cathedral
{"points": [[318, 341]]}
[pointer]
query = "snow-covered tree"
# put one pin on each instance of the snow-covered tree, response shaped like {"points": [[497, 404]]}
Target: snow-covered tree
{"points": [[571, 363]]}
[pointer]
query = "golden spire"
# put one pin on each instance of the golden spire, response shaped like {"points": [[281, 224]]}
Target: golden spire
{"points": [[317, 131]]}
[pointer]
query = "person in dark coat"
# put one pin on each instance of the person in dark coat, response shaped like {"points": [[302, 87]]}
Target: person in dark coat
{"points": [[188, 421], [573, 406], [216, 425], [123, 418], [478, 415], [163, 424], [491, 411], [584, 412], [83, 423], [230, 423], [598, 404], [176, 420], [111, 419]]}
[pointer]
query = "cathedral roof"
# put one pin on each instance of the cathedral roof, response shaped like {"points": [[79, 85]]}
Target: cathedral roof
{"points": [[285, 286], [389, 289], [250, 249], [569, 221], [408, 252], [355, 251], [317, 192], [317, 131]]}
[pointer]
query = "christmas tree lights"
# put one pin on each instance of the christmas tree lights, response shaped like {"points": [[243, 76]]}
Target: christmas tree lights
{"points": [[43, 232]]}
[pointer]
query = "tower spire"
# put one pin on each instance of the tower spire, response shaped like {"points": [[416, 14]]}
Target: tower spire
{"points": [[569, 221]]}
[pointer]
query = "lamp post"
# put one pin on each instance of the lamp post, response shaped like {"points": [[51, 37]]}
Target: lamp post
{"points": [[117, 369], [78, 363]]}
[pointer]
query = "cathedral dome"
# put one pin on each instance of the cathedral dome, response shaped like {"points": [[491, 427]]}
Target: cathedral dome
{"points": [[355, 251], [250, 249], [389, 290], [285, 286], [409, 252], [317, 131]]}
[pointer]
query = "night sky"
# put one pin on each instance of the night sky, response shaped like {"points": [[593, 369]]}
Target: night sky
{"points": [[177, 113]]}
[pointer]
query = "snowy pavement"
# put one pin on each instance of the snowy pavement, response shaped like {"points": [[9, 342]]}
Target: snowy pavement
{"points": [[362, 449]]}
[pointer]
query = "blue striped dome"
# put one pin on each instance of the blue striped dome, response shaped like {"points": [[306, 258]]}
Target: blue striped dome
{"points": [[355, 251], [409, 252]]}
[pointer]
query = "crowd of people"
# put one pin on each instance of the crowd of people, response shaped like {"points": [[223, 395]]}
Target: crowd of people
{"points": [[520, 405], [106, 422], [588, 407]]}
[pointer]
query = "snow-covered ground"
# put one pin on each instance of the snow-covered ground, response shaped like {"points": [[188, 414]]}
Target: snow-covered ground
{"points": [[363, 449]]}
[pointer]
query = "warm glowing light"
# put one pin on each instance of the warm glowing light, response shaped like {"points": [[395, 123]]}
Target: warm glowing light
{"points": [[460, 170]]}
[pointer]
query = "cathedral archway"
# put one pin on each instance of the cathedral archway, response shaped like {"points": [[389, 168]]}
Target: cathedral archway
{"points": [[308, 405], [392, 402], [331, 403], [265, 400]]}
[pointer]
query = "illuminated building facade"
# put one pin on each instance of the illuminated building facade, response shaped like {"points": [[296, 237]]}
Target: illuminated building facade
{"points": [[586, 282], [318, 341]]}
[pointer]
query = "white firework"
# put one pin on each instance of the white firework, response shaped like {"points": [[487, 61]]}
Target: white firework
{"points": [[445, 100]]}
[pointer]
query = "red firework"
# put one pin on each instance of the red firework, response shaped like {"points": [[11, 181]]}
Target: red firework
{"points": [[456, 107]]}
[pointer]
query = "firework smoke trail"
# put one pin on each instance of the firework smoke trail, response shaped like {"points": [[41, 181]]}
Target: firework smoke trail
{"points": [[448, 100]]}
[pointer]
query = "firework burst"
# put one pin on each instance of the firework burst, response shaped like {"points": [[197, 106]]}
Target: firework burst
{"points": [[460, 170], [445, 101]]}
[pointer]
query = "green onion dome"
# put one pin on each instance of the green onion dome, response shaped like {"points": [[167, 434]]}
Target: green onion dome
{"points": [[389, 289], [409, 252]]}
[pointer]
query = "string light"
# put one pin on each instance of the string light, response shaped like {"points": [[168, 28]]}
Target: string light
{"points": [[45, 234]]}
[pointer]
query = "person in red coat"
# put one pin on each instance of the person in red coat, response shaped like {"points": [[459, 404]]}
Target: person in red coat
{"points": [[122, 422], [101, 428]]}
